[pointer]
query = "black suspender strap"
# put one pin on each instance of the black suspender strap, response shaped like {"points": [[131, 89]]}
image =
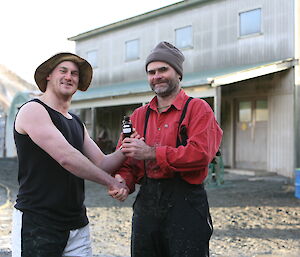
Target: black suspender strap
{"points": [[182, 131], [184, 110], [180, 120], [146, 121], [145, 130]]}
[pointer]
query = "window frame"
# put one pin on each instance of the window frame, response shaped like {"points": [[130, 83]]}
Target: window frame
{"points": [[249, 111], [94, 63], [262, 116], [137, 56], [257, 33], [191, 43]]}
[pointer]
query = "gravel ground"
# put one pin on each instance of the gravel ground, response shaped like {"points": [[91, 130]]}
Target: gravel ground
{"points": [[254, 216]]}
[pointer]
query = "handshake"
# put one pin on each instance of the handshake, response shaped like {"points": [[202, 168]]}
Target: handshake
{"points": [[118, 190], [133, 146]]}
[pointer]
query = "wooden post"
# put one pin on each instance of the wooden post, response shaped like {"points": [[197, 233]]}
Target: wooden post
{"points": [[93, 123]]}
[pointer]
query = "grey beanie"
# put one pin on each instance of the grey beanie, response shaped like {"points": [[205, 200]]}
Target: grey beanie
{"points": [[166, 52]]}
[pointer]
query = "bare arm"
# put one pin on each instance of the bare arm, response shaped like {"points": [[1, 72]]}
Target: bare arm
{"points": [[109, 163], [35, 121]]}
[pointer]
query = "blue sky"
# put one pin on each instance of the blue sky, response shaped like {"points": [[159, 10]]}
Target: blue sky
{"points": [[33, 30]]}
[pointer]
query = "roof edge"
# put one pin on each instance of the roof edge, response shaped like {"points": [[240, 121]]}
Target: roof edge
{"points": [[135, 19]]}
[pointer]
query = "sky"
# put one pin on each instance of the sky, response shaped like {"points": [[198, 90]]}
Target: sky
{"points": [[31, 31]]}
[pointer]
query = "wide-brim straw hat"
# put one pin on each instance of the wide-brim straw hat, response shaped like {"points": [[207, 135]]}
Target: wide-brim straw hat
{"points": [[85, 70]]}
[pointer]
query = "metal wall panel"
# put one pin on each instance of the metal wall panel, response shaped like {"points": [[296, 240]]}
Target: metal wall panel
{"points": [[278, 89], [281, 134], [217, 44]]}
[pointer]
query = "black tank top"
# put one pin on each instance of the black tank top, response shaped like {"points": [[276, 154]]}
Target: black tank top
{"points": [[48, 191]]}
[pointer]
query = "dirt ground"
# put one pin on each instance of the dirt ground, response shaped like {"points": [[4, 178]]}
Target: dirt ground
{"points": [[254, 216]]}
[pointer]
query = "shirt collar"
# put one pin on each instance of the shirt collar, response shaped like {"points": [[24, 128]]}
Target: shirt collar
{"points": [[177, 103]]}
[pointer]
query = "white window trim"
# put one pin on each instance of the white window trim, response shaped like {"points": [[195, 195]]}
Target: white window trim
{"points": [[138, 55], [239, 24], [192, 39], [94, 65]]}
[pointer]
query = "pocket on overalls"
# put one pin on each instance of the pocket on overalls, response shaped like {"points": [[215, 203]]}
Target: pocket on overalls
{"points": [[197, 199], [135, 200]]}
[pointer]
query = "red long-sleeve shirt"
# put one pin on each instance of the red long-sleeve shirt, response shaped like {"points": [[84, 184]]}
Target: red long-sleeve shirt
{"points": [[204, 138]]}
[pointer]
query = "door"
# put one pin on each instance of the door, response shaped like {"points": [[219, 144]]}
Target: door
{"points": [[251, 134]]}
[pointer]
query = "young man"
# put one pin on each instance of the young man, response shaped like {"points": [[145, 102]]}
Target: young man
{"points": [[171, 214], [55, 155]]}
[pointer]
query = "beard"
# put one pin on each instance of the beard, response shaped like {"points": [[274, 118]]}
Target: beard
{"points": [[171, 86]]}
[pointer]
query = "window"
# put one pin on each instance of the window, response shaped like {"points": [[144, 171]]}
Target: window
{"points": [[250, 22], [253, 110], [184, 37], [132, 49], [261, 111], [91, 57], [245, 111]]}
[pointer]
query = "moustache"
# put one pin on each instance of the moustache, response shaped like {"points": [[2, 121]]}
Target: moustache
{"points": [[157, 81]]}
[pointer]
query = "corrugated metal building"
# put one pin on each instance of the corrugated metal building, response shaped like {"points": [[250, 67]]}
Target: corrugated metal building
{"points": [[241, 56]]}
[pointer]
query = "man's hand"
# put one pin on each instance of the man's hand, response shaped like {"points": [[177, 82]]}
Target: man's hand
{"points": [[138, 149], [119, 191], [134, 135]]}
